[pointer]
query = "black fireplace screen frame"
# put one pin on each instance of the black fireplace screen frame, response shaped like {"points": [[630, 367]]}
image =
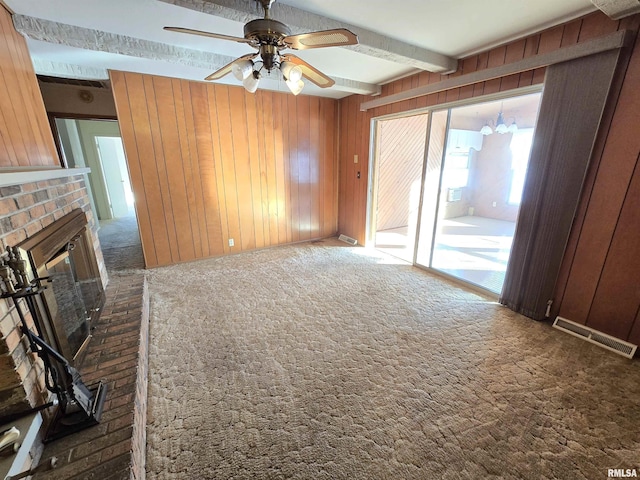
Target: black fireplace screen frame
{"points": [[68, 239]]}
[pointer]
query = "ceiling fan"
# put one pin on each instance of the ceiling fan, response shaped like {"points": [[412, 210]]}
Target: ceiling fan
{"points": [[270, 37]]}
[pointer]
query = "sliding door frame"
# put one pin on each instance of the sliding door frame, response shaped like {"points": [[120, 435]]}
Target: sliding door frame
{"points": [[373, 177], [372, 188]]}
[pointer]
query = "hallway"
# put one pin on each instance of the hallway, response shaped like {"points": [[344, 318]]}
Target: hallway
{"points": [[120, 242]]}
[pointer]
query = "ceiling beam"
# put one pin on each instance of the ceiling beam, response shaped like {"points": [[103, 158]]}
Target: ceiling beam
{"points": [[96, 40], [617, 9], [68, 70], [300, 21], [99, 41]]}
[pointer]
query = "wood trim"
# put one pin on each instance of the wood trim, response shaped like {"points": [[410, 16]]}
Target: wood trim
{"points": [[81, 116], [6, 7], [620, 39]]}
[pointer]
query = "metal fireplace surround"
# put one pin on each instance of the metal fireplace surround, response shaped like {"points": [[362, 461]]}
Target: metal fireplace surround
{"points": [[72, 293]]}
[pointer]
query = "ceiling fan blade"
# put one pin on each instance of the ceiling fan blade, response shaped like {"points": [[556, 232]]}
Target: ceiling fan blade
{"points": [[207, 34], [309, 72], [227, 68], [324, 38]]}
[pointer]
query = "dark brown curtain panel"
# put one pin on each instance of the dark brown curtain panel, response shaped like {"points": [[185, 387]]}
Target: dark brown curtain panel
{"points": [[574, 97]]}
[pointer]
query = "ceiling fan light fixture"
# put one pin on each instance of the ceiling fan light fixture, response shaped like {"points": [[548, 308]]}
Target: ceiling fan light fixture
{"points": [[270, 37], [291, 72], [251, 82], [295, 87], [242, 69]]}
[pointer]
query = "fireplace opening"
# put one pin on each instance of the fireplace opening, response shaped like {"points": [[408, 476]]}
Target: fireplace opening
{"points": [[61, 256]]}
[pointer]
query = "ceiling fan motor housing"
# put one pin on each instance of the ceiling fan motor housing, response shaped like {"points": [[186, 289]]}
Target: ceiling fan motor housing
{"points": [[266, 30], [269, 35]]}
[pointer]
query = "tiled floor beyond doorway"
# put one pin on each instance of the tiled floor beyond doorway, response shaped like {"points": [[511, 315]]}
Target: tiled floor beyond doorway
{"points": [[117, 356], [472, 249]]}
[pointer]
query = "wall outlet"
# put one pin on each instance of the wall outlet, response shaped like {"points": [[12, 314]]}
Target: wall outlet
{"points": [[231, 242], [495, 204]]}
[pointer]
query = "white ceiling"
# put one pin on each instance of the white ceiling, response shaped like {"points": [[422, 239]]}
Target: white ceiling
{"points": [[394, 35]]}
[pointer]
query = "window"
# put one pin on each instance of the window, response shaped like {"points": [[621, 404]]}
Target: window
{"points": [[520, 147]]}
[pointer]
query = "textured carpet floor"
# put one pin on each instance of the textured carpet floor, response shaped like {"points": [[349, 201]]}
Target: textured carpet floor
{"points": [[321, 361]]}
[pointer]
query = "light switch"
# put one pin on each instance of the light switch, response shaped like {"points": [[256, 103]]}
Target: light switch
{"points": [[355, 159]]}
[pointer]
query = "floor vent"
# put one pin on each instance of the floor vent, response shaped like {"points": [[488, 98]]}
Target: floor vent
{"points": [[349, 240], [590, 335]]}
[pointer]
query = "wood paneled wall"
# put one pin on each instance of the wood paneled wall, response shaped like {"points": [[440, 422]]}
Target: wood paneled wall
{"points": [[210, 163], [25, 136], [599, 284]]}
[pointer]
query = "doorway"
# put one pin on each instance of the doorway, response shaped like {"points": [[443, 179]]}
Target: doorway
{"points": [[399, 147], [97, 144], [474, 164]]}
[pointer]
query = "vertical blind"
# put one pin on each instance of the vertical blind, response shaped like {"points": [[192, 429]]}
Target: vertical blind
{"points": [[574, 97]]}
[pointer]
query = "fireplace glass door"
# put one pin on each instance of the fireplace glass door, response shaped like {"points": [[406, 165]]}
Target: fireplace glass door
{"points": [[69, 310]]}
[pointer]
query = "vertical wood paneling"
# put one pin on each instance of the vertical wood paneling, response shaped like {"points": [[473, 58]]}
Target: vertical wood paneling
{"points": [[267, 169], [161, 167], [212, 171], [330, 164], [281, 178], [315, 178], [253, 167], [211, 163], [294, 171], [617, 298], [25, 136], [149, 184], [222, 110], [192, 178], [304, 171], [176, 172], [601, 223]]}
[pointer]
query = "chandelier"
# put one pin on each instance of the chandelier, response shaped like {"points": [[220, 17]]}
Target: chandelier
{"points": [[499, 126]]}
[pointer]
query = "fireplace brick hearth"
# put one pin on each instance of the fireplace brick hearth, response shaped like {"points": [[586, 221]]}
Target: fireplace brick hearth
{"points": [[115, 448]]}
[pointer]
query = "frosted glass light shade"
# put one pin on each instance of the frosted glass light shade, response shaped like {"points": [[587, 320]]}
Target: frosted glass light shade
{"points": [[295, 87], [500, 126], [242, 69], [486, 130], [251, 82], [513, 128], [291, 72]]}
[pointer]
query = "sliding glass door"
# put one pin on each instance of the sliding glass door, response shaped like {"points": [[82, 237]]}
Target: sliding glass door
{"points": [[476, 163]]}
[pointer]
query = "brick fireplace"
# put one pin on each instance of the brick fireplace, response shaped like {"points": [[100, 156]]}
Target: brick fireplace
{"points": [[116, 355], [26, 209]]}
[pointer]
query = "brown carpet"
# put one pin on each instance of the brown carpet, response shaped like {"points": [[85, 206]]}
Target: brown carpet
{"points": [[321, 361]]}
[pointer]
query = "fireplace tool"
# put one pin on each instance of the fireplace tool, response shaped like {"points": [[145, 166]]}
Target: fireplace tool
{"points": [[79, 406]]}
